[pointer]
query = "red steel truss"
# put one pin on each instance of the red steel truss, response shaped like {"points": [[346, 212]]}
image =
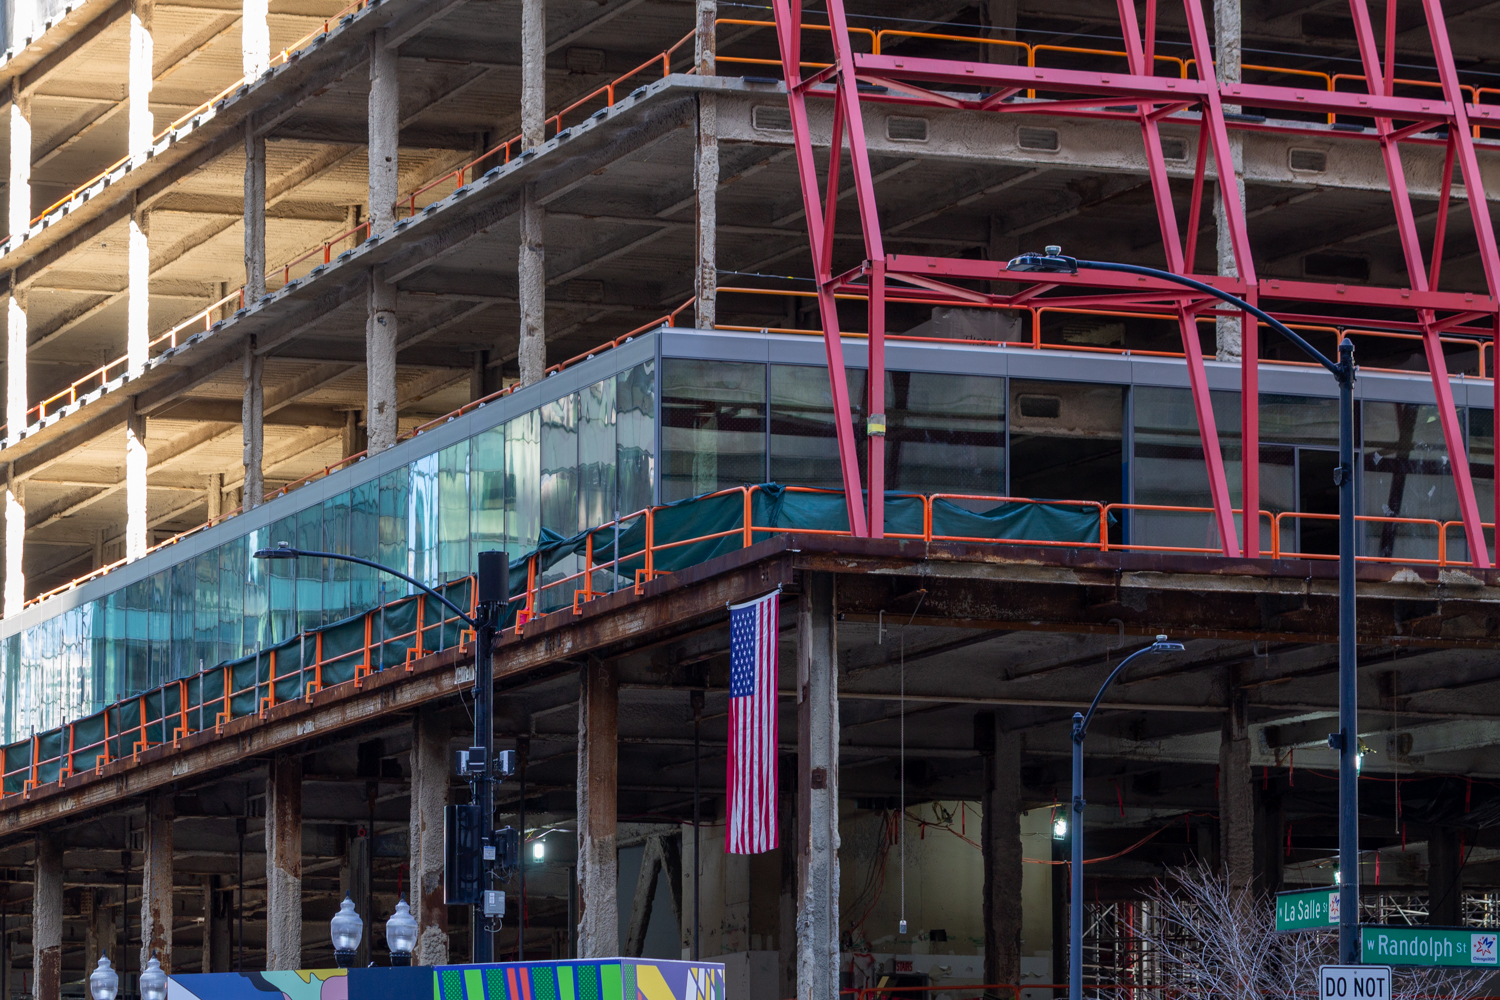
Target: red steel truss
{"points": [[997, 88]]}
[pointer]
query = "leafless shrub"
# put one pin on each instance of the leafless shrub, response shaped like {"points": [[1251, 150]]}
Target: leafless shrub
{"points": [[1211, 938]]}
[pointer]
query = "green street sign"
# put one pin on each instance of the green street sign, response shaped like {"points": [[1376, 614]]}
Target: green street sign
{"points": [[1307, 909], [1427, 946]]}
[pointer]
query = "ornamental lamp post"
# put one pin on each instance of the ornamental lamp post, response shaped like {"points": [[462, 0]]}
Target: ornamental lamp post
{"points": [[401, 934], [347, 930], [1346, 740], [104, 984]]}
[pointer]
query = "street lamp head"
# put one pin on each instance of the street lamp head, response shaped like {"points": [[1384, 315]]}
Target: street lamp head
{"points": [[282, 551], [1052, 262], [1162, 645], [104, 984], [153, 981], [347, 930], [401, 934]]}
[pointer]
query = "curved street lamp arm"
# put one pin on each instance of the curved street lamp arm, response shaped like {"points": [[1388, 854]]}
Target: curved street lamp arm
{"points": [[1081, 725], [1202, 286], [309, 553]]}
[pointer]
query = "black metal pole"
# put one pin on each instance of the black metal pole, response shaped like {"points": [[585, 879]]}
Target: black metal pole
{"points": [[1346, 740], [697, 698], [1075, 870], [239, 962], [484, 736], [523, 750], [1348, 737]]}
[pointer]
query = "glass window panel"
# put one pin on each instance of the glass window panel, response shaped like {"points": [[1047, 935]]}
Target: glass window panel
{"points": [[1065, 441], [560, 465], [944, 433], [1170, 471], [713, 426], [159, 616], [1301, 420], [364, 541], [1406, 475], [184, 582], [804, 448], [1482, 465], [523, 464], [232, 557], [422, 527], [205, 612], [281, 591], [487, 491], [596, 454], [395, 489], [635, 406], [309, 597], [453, 511], [336, 574], [256, 633]]}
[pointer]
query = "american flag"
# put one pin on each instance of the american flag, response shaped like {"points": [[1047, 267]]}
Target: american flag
{"points": [[752, 727]]}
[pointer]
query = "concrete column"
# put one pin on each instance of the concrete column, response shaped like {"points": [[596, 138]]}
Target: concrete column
{"points": [[136, 528], [138, 305], [142, 126], [47, 917], [221, 928], [531, 265], [380, 366], [19, 196], [284, 863], [1270, 835], [385, 133], [817, 792], [156, 882], [16, 338], [429, 797], [598, 767], [100, 938], [353, 440], [355, 879], [1000, 843], [15, 543], [213, 488], [706, 175], [1445, 889], [1236, 795], [1227, 67], [255, 214], [1000, 20], [253, 419], [255, 37]]}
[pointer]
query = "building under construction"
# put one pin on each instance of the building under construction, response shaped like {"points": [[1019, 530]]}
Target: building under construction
{"points": [[679, 302]]}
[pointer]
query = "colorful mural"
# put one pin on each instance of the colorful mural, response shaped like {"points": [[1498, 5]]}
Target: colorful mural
{"points": [[599, 979]]}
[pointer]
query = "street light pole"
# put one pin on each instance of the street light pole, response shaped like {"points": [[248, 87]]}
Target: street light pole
{"points": [[493, 586], [1346, 740], [1075, 833]]}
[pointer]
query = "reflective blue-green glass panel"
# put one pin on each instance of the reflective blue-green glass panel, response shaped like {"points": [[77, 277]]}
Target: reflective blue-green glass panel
{"points": [[596, 454], [560, 465], [453, 511], [635, 422], [422, 526], [523, 463]]}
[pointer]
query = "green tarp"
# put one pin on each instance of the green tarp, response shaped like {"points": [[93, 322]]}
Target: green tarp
{"points": [[684, 534]]}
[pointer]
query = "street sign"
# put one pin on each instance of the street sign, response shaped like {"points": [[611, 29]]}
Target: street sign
{"points": [[1428, 946], [1307, 909], [1354, 982]]}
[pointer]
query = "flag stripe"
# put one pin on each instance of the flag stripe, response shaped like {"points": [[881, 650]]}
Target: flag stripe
{"points": [[752, 771]]}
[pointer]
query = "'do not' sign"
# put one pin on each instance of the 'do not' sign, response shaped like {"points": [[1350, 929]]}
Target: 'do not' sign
{"points": [[1354, 982]]}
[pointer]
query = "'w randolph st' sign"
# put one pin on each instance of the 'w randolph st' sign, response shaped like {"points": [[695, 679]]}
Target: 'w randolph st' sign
{"points": [[1428, 946]]}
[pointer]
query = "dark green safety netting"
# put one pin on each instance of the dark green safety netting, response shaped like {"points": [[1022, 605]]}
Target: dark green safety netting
{"points": [[683, 534]]}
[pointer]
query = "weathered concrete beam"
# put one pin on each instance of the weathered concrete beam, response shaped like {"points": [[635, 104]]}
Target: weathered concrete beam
{"points": [[1000, 847], [47, 916], [598, 777], [429, 797], [157, 869], [284, 863], [817, 842]]}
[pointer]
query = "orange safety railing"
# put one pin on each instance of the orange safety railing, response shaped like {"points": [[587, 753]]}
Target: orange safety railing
{"points": [[326, 249], [1439, 558], [284, 56], [1403, 82], [749, 61], [209, 698], [609, 92]]}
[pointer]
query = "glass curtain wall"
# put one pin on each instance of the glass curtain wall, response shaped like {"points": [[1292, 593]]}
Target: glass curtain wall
{"points": [[555, 468]]}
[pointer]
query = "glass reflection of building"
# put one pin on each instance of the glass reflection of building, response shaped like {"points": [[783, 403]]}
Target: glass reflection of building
{"points": [[679, 413]]}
